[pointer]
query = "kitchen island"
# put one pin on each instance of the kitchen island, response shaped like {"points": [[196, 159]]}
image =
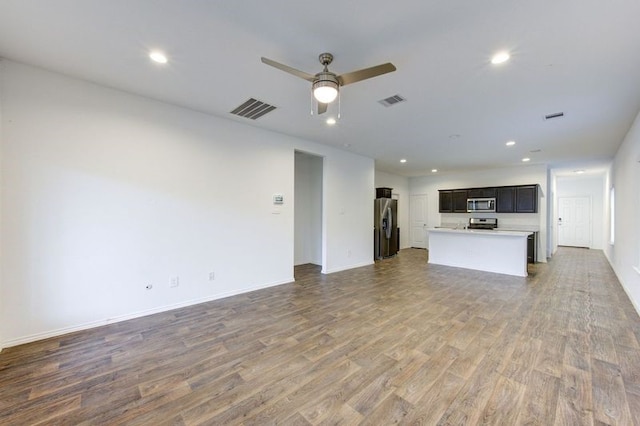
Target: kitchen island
{"points": [[503, 252]]}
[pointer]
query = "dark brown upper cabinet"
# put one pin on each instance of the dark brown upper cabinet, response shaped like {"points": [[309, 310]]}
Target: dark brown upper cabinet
{"points": [[445, 199], [452, 201], [482, 193], [460, 200], [509, 199], [506, 199], [527, 199]]}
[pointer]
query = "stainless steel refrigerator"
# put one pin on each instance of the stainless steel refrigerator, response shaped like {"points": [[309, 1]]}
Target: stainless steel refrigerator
{"points": [[385, 227]]}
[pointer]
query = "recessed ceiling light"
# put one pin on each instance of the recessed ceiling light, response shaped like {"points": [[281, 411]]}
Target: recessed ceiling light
{"points": [[500, 58], [526, 159], [158, 57], [434, 170], [331, 121], [578, 171], [510, 143], [404, 160]]}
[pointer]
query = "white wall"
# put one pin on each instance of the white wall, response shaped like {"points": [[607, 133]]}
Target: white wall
{"points": [[308, 209], [104, 192], [400, 185], [3, 329], [346, 210], [523, 175], [624, 255], [592, 187]]}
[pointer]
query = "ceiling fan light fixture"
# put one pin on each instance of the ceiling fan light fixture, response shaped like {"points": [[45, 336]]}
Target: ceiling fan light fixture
{"points": [[159, 57], [325, 94], [325, 89], [500, 57]]}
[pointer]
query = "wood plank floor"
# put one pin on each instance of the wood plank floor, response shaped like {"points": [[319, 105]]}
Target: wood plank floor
{"points": [[397, 342]]}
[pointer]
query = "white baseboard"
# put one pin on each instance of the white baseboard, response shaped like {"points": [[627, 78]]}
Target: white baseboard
{"points": [[344, 268], [85, 326], [624, 286]]}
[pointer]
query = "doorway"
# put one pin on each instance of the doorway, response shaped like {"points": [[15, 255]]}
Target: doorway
{"points": [[574, 221], [307, 209], [418, 219]]}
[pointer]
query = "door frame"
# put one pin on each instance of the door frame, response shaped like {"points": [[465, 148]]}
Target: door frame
{"points": [[322, 222]]}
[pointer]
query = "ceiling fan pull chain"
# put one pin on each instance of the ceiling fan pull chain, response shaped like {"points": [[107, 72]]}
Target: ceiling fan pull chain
{"points": [[311, 101], [339, 104]]}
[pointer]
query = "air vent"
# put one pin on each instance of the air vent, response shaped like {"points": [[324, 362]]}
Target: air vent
{"points": [[253, 109], [554, 115], [392, 100]]}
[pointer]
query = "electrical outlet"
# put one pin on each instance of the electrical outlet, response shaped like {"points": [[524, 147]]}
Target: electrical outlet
{"points": [[349, 253], [175, 281], [212, 276]]}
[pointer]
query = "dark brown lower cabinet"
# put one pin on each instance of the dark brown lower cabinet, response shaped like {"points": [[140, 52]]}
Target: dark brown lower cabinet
{"points": [[532, 241]]}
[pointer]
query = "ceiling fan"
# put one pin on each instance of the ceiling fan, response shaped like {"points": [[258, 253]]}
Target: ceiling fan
{"points": [[325, 84]]}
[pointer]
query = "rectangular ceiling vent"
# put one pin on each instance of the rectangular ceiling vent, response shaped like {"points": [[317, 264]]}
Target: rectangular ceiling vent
{"points": [[253, 109], [392, 100], [554, 115]]}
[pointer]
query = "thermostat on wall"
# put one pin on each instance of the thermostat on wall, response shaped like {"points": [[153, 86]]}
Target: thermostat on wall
{"points": [[278, 199]]}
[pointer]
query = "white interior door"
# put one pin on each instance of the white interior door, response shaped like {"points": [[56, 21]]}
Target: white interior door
{"points": [[574, 221], [418, 219]]}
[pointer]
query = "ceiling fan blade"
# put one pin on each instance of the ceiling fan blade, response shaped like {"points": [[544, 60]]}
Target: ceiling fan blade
{"points": [[363, 74], [288, 69], [322, 108]]}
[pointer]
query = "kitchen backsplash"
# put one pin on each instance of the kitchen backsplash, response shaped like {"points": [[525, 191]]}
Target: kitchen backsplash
{"points": [[520, 221]]}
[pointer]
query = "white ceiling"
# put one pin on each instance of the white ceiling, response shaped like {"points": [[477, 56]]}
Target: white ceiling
{"points": [[581, 57]]}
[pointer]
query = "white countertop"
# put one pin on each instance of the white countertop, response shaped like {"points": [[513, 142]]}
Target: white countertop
{"points": [[501, 227], [497, 233], [530, 228]]}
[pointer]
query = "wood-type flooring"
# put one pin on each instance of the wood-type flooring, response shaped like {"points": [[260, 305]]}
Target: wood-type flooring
{"points": [[400, 341]]}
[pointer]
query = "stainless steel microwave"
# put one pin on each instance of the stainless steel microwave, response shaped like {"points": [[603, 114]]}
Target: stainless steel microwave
{"points": [[481, 205]]}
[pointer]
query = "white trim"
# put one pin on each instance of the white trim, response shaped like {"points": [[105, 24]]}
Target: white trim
{"points": [[612, 216], [344, 268], [624, 287], [106, 321]]}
